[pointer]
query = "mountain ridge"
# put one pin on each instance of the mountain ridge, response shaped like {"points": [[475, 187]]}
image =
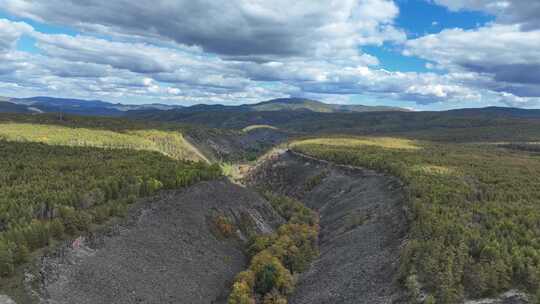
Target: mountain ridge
{"points": [[295, 106], [104, 108], [283, 104]]}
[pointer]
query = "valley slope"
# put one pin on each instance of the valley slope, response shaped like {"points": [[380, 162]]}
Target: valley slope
{"points": [[362, 224], [460, 223]]}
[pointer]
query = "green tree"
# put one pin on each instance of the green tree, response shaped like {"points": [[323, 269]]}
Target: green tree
{"points": [[265, 279], [7, 262]]}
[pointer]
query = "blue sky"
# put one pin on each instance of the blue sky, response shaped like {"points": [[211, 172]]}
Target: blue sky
{"points": [[420, 54], [419, 18]]}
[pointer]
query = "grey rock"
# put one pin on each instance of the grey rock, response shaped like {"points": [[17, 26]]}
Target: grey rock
{"points": [[6, 300], [362, 223], [509, 297], [165, 252]]}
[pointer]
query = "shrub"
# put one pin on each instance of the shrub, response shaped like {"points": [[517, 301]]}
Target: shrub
{"points": [[150, 186], [7, 262], [241, 294], [430, 300], [101, 213], [118, 208], [266, 279], [56, 229], [248, 277], [224, 226], [21, 254], [316, 180], [276, 256], [74, 222], [413, 288], [274, 298], [242, 291], [260, 243], [270, 273], [37, 234]]}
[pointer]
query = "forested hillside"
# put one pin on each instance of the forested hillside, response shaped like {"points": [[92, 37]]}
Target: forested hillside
{"points": [[97, 132], [43, 104], [47, 192], [8, 107], [474, 212], [302, 104], [472, 183], [472, 125], [180, 141], [59, 175]]}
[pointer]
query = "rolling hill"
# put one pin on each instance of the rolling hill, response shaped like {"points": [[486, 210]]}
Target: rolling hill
{"points": [[300, 104], [467, 125], [470, 177], [81, 106], [103, 108], [302, 115], [8, 107]]}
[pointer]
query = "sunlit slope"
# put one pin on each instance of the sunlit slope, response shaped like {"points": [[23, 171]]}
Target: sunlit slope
{"points": [[382, 142], [169, 143]]}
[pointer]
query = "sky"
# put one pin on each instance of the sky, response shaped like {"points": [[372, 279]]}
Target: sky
{"points": [[418, 54]]}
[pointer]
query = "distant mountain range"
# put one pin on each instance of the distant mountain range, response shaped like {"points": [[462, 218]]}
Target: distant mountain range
{"points": [[8, 107], [101, 108], [277, 111], [497, 112], [73, 106]]}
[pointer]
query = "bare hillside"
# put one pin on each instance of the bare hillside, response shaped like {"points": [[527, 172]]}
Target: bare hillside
{"points": [[362, 228], [167, 251]]}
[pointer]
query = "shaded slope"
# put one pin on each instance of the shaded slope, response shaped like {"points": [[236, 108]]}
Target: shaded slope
{"points": [[167, 252], [233, 145], [362, 228], [8, 107], [84, 107]]}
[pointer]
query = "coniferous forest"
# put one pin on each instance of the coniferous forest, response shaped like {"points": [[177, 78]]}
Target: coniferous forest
{"points": [[270, 152], [472, 207], [52, 192], [474, 212]]}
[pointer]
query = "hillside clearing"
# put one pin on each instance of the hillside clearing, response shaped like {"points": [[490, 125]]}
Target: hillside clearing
{"points": [[169, 143]]}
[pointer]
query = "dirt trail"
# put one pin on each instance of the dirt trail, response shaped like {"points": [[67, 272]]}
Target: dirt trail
{"points": [[167, 251], [362, 228]]}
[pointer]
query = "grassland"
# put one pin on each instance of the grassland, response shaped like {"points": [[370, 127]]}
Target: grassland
{"points": [[169, 143], [474, 212], [255, 127], [382, 142]]}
